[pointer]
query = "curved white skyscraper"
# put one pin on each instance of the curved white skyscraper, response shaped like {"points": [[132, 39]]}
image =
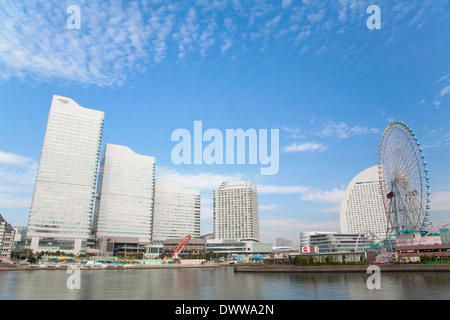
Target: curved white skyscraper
{"points": [[124, 206], [362, 206], [63, 199]]}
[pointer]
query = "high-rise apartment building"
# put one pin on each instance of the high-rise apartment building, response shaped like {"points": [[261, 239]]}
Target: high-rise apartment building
{"points": [[362, 206], [63, 199], [125, 191], [177, 211], [236, 211]]}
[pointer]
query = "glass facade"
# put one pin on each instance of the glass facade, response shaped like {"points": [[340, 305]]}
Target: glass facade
{"points": [[63, 197], [125, 191], [177, 211]]}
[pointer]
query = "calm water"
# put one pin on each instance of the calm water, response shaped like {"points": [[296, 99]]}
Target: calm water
{"points": [[219, 284]]}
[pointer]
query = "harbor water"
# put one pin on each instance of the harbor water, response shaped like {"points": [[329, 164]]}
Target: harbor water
{"points": [[220, 283]]}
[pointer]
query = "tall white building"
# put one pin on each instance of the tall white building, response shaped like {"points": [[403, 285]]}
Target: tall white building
{"points": [[125, 191], [63, 199], [236, 213], [176, 213], [362, 206]]}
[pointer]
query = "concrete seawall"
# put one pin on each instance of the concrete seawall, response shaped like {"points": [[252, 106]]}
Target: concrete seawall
{"points": [[344, 268]]}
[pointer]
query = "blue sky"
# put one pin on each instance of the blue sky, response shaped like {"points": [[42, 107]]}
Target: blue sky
{"points": [[311, 69]]}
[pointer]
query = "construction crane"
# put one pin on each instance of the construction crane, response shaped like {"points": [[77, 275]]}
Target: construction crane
{"points": [[180, 246]]}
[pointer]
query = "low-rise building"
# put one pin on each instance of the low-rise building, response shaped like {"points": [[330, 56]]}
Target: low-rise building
{"points": [[120, 246], [445, 235], [7, 235], [439, 251], [335, 242], [238, 246], [194, 248]]}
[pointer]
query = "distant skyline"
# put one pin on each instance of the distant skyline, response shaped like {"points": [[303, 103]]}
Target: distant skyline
{"points": [[311, 69]]}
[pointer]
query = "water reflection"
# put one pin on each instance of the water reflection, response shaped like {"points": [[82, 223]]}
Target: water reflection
{"points": [[219, 284]]}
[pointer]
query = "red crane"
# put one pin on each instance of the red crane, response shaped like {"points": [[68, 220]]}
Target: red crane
{"points": [[181, 246]]}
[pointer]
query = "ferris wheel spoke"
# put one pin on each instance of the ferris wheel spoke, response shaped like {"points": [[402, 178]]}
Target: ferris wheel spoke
{"points": [[412, 162], [403, 178], [409, 161]]}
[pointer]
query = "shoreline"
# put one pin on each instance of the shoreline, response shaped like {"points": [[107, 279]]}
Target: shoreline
{"points": [[253, 268], [343, 268], [109, 267]]}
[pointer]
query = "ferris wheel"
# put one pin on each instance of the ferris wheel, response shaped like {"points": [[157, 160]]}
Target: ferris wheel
{"points": [[404, 180]]}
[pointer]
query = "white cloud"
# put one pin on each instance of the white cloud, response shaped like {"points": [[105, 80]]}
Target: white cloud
{"points": [[35, 41], [342, 130], [444, 91], [302, 147], [443, 78], [17, 178], [188, 33], [305, 33], [226, 45], [286, 3], [119, 38], [351, 9], [307, 193], [293, 132], [268, 207], [14, 159], [437, 103], [162, 25], [201, 180], [440, 201], [321, 50], [274, 189], [316, 17], [328, 196]]}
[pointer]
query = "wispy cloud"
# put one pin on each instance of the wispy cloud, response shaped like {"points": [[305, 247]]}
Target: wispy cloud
{"points": [[286, 3], [275, 189], [17, 177], [444, 91], [324, 129], [342, 130], [328, 196], [303, 147], [440, 201], [200, 180], [306, 193], [268, 207], [119, 38], [436, 137], [294, 133], [14, 159], [36, 42], [447, 76]]}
